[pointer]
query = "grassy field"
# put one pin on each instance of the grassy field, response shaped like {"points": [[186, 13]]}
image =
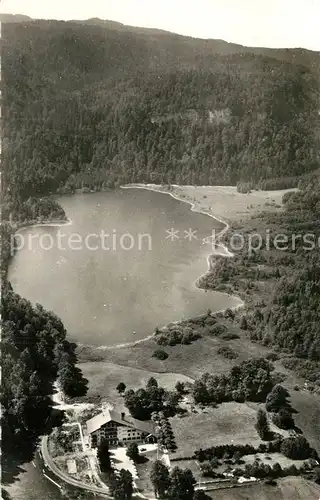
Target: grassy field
{"points": [[104, 377], [231, 423], [271, 459], [289, 488], [307, 417], [190, 360], [192, 465], [225, 202]]}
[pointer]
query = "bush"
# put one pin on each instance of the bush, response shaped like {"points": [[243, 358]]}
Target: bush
{"points": [[162, 340], [229, 313], [227, 352], [133, 452], [272, 356], [160, 354], [214, 463], [210, 321], [218, 330], [230, 336], [262, 448], [271, 482]]}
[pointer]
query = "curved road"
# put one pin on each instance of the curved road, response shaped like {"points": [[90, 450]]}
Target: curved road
{"points": [[65, 477]]}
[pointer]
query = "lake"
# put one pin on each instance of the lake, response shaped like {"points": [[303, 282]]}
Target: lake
{"points": [[125, 264]]}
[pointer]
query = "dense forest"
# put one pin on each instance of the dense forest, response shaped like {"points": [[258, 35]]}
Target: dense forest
{"points": [[291, 318], [34, 355], [281, 287], [99, 105]]}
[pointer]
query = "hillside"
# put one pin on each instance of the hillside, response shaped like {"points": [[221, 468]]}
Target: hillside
{"points": [[95, 104], [305, 57], [14, 18]]}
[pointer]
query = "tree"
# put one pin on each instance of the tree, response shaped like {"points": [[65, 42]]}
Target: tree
{"points": [[180, 388], [103, 455], [277, 398], [296, 448], [133, 452], [172, 400], [160, 354], [262, 424], [152, 383], [121, 387], [71, 380], [276, 470], [144, 402], [160, 478], [214, 463], [182, 484], [200, 392], [122, 486], [283, 419], [237, 457], [317, 475], [244, 323]]}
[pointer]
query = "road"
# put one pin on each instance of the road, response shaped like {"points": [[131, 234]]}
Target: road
{"points": [[65, 477]]}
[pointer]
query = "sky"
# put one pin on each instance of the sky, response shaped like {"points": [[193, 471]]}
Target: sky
{"points": [[267, 23]]}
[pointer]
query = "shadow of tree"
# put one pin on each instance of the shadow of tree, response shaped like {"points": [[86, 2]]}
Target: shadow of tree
{"points": [[5, 495], [13, 459], [19, 450]]}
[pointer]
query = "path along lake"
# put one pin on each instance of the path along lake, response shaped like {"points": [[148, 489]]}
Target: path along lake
{"points": [[115, 289]]}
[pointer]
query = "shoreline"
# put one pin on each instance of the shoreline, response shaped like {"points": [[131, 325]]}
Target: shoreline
{"points": [[220, 251], [210, 257], [48, 223], [18, 227], [224, 253]]}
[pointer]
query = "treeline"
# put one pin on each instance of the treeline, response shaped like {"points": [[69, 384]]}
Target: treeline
{"points": [[34, 355], [250, 380], [269, 184], [83, 110], [296, 448]]}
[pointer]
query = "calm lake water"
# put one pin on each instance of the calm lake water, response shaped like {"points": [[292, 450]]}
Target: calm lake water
{"points": [[114, 289]]}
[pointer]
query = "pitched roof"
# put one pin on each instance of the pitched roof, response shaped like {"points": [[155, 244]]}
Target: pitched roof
{"points": [[112, 416]]}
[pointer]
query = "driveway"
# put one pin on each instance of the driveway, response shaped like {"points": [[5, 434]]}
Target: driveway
{"points": [[121, 461]]}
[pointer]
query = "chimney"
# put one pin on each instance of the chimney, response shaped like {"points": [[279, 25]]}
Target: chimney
{"points": [[123, 415]]}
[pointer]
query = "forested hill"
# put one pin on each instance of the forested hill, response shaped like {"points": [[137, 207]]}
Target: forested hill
{"points": [[197, 46], [97, 104]]}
